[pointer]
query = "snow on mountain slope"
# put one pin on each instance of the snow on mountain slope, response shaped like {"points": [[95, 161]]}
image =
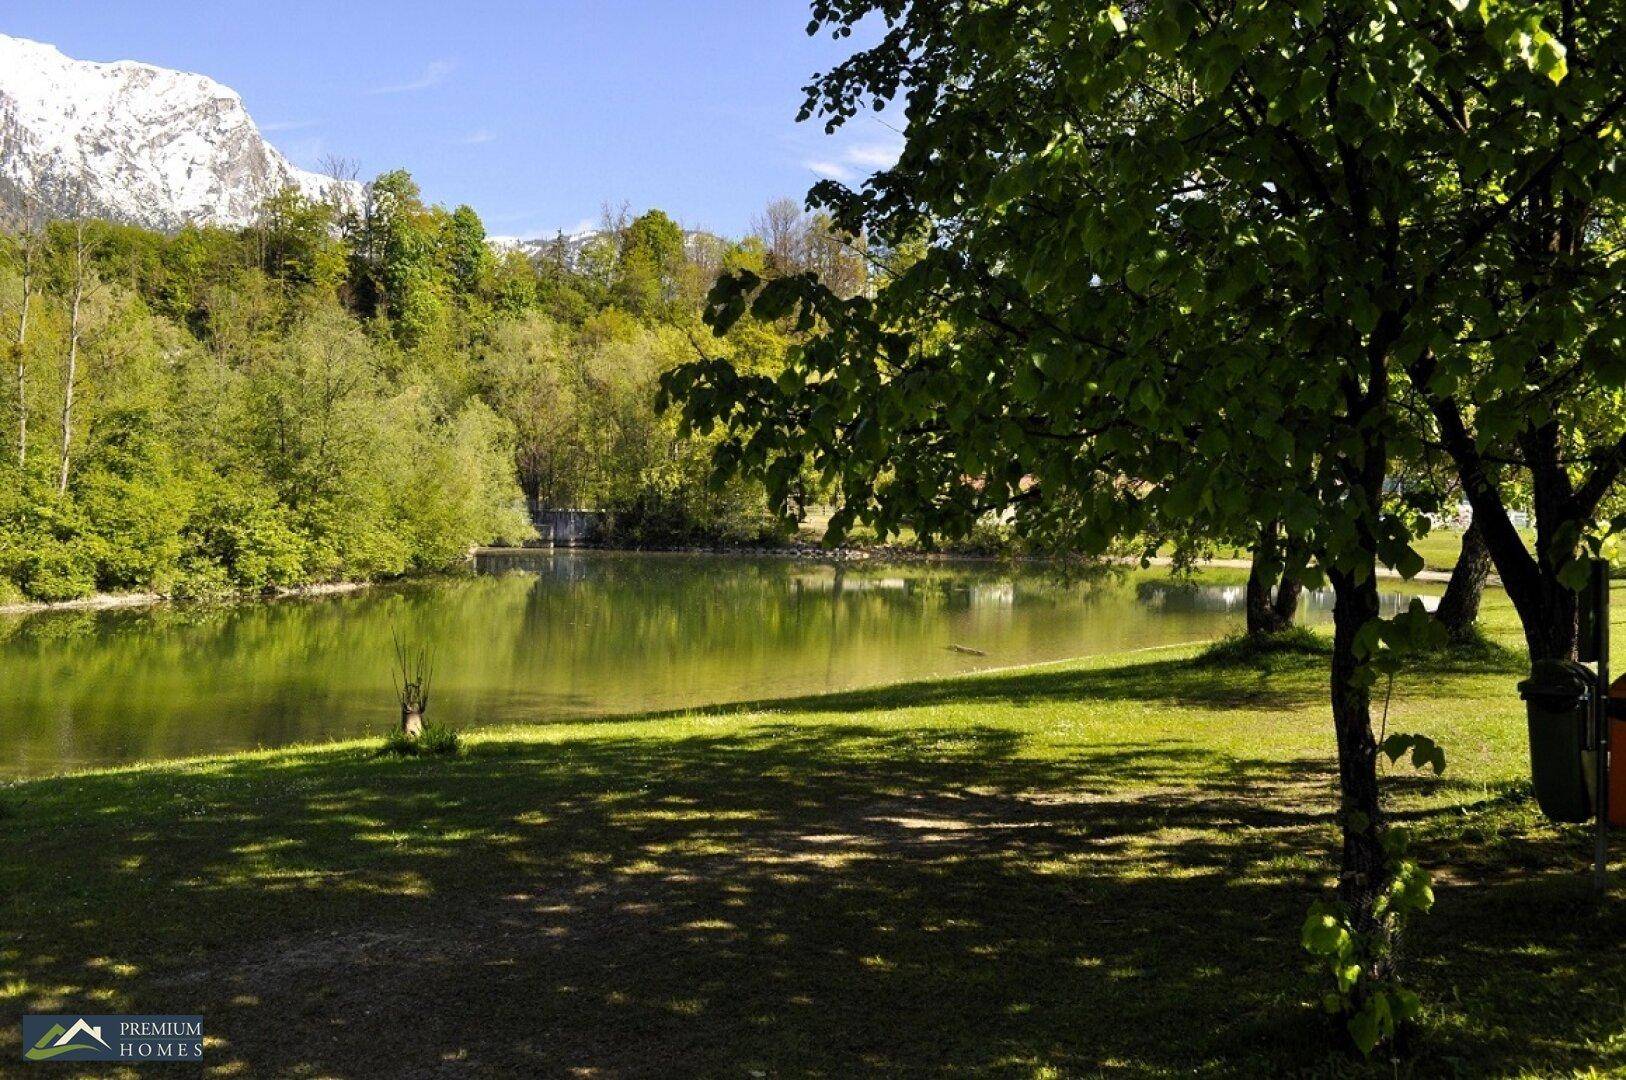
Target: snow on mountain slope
{"points": [[133, 142]]}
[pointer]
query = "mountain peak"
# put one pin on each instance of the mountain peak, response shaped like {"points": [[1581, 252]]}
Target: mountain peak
{"points": [[133, 142]]}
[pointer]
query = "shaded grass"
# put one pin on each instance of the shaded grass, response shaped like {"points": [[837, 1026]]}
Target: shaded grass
{"points": [[1084, 869]]}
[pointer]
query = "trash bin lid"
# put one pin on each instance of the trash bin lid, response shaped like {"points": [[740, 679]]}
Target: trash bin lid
{"points": [[1557, 679]]}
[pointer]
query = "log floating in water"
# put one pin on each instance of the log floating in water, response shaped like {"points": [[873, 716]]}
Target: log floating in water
{"points": [[968, 650]]}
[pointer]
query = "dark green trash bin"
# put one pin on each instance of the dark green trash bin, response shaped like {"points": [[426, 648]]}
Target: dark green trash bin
{"points": [[1557, 698]]}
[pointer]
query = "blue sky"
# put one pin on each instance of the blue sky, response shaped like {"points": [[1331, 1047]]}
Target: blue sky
{"points": [[535, 113]]}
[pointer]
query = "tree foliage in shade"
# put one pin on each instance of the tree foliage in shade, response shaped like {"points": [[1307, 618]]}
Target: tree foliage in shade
{"points": [[1202, 267]]}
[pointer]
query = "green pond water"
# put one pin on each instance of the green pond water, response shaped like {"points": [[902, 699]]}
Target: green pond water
{"points": [[551, 637]]}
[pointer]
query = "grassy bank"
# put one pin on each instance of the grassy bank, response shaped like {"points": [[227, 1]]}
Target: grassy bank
{"points": [[1090, 868]]}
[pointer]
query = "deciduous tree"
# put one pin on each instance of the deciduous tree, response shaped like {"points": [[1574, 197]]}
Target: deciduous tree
{"points": [[1223, 264]]}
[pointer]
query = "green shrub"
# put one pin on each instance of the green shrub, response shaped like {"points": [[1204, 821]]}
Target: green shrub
{"points": [[440, 739], [59, 570], [241, 538], [128, 497], [437, 740], [1264, 650], [1357, 965]]}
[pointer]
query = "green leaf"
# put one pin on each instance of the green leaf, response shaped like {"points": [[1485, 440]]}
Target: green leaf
{"points": [[1409, 564], [1363, 1029], [1550, 58], [1324, 933]]}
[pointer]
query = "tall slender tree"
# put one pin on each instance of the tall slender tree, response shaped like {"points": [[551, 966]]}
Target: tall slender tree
{"points": [[81, 286], [28, 244]]}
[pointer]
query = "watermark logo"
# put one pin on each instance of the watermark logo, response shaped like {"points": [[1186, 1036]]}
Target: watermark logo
{"points": [[112, 1038]]}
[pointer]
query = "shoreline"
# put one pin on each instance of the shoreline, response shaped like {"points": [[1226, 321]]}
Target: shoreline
{"points": [[813, 553], [808, 552], [116, 601], [510, 731]]}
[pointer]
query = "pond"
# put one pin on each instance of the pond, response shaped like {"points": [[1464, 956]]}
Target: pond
{"points": [[550, 637]]}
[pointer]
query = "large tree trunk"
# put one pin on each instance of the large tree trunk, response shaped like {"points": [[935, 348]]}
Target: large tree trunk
{"points": [[1362, 873], [1289, 588], [1459, 607], [1272, 597], [1547, 608], [1258, 599]]}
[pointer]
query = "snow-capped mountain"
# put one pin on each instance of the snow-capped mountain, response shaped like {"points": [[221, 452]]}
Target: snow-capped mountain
{"points": [[570, 249], [133, 142]]}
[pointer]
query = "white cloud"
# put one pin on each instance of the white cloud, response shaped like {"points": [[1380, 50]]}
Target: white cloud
{"points": [[830, 170], [874, 155], [433, 75], [475, 138], [287, 125]]}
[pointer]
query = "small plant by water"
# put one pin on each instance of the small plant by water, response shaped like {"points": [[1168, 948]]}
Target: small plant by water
{"points": [[414, 669]]}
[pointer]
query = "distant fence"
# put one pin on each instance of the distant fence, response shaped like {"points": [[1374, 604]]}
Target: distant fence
{"points": [[566, 528]]}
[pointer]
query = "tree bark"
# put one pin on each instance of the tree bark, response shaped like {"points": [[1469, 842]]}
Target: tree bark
{"points": [[1258, 600], [1459, 607], [1288, 590], [1547, 608], [1362, 873], [1272, 597]]}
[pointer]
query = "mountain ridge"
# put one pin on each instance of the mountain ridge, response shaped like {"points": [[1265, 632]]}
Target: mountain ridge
{"points": [[135, 143]]}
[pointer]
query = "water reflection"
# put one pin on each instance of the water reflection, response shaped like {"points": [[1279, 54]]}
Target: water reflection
{"points": [[1189, 596], [549, 637]]}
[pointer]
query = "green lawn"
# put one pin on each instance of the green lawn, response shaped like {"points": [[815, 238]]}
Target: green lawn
{"points": [[1095, 868]]}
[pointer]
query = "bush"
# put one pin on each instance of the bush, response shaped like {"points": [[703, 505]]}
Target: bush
{"points": [[59, 570], [1264, 650], [437, 740], [240, 538]]}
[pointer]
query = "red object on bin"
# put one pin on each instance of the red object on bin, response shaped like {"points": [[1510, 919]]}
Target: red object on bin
{"points": [[1617, 752]]}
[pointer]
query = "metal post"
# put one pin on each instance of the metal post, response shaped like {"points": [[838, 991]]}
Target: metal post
{"points": [[1600, 737]]}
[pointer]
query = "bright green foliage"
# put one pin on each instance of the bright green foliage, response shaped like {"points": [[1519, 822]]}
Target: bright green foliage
{"points": [[649, 265], [1365, 992], [343, 392], [1383, 646], [299, 243], [468, 258]]}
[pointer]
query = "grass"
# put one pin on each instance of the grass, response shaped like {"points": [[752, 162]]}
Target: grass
{"points": [[435, 740], [1094, 868], [1440, 548]]}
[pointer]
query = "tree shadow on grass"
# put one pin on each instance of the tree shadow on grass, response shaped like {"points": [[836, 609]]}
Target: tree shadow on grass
{"points": [[783, 900]]}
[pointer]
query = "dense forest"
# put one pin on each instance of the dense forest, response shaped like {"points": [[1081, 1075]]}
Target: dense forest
{"points": [[349, 392]]}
